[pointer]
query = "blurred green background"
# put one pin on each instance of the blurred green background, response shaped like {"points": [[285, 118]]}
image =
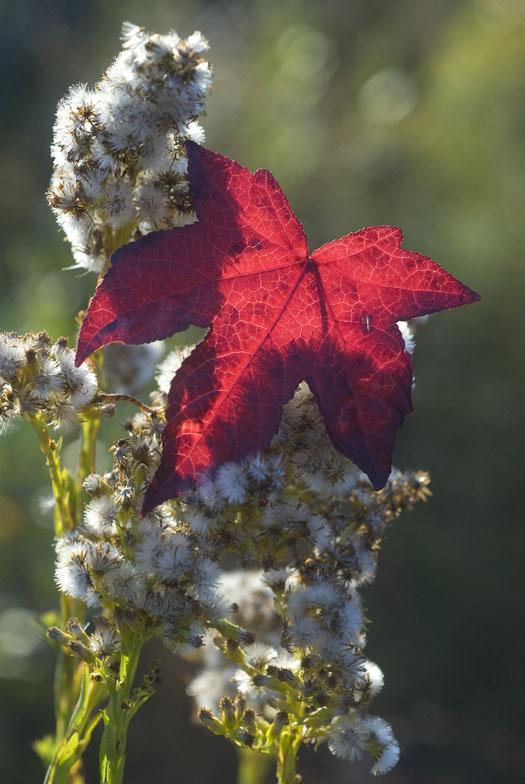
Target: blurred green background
{"points": [[409, 112]]}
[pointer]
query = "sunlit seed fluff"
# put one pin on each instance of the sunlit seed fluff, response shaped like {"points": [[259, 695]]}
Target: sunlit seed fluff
{"points": [[193, 130], [232, 482], [75, 123], [48, 379], [257, 468], [252, 598], [208, 495], [170, 365], [352, 665], [380, 733], [104, 641], [388, 759], [93, 483], [407, 333], [176, 557], [81, 382], [365, 561], [374, 677], [71, 572], [347, 737], [351, 614], [198, 521], [12, 355], [325, 618], [259, 654], [280, 579], [125, 586], [320, 532], [116, 203], [206, 586], [210, 685], [152, 203], [103, 557], [100, 515], [113, 145], [245, 685]]}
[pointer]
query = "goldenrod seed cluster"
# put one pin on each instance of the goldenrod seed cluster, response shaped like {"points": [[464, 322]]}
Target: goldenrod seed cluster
{"points": [[118, 148]]}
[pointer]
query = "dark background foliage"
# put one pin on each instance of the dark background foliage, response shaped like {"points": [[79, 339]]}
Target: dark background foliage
{"points": [[407, 112]]}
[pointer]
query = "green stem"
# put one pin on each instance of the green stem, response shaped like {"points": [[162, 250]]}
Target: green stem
{"points": [[65, 495], [65, 765], [287, 751], [67, 680], [70, 690], [62, 483], [253, 767], [88, 441], [119, 712]]}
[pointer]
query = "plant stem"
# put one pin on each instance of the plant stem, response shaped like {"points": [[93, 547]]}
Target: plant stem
{"points": [[288, 748], [67, 678], [253, 767], [88, 441], [65, 495], [119, 711], [104, 397], [62, 483], [65, 766], [70, 690]]}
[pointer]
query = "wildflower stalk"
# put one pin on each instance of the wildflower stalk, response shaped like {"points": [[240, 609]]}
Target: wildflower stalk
{"points": [[62, 483], [253, 767], [287, 750], [120, 710], [65, 767], [87, 457], [67, 670]]}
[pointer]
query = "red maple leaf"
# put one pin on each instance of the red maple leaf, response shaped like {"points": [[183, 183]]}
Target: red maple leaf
{"points": [[277, 315]]}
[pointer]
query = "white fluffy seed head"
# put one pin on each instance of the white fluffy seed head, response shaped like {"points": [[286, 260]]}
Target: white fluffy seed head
{"points": [[100, 515], [118, 149], [71, 570], [167, 369], [104, 641], [380, 733], [232, 482], [347, 738]]}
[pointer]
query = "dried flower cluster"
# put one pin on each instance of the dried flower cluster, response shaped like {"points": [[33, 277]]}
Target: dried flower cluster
{"points": [[314, 524], [152, 573], [256, 572], [38, 376], [119, 161], [283, 635]]}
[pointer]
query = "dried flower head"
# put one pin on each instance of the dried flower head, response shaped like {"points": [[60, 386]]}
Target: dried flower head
{"points": [[118, 152], [38, 376]]}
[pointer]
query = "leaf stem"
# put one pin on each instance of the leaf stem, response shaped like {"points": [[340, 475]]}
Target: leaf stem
{"points": [[105, 397]]}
